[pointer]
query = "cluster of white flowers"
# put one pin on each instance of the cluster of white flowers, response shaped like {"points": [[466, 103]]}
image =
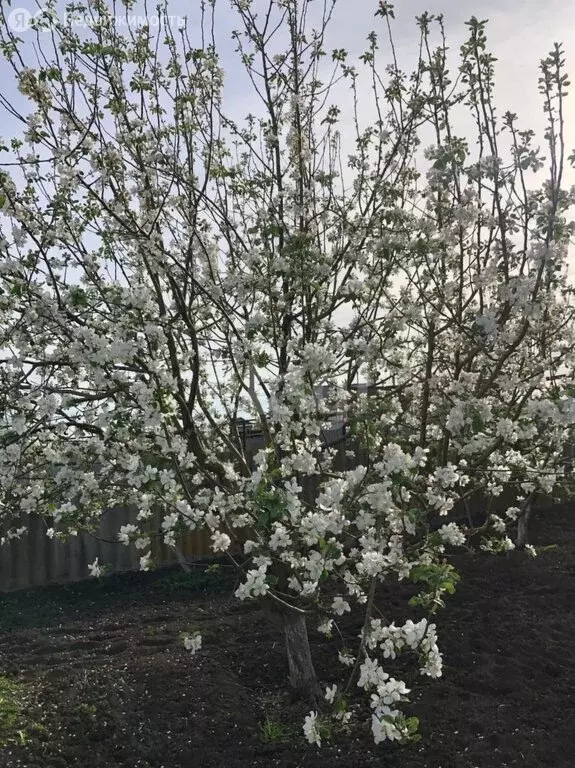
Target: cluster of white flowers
{"points": [[497, 545], [220, 541], [330, 694], [497, 523], [127, 533], [280, 538], [388, 691], [311, 729], [447, 476], [192, 643], [383, 725], [95, 568], [255, 584], [487, 322], [420, 637], [373, 563], [325, 627], [507, 429], [452, 534], [340, 606]]}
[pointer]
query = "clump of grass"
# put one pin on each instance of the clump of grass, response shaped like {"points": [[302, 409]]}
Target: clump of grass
{"points": [[272, 732], [11, 712], [16, 727], [89, 710]]}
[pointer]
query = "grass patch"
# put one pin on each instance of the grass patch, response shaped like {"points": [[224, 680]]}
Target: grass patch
{"points": [[273, 732], [11, 717], [15, 726]]}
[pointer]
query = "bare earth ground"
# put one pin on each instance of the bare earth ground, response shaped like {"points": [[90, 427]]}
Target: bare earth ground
{"points": [[108, 680]]}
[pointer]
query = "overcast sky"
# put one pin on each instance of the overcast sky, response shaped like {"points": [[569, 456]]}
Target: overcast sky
{"points": [[520, 33]]}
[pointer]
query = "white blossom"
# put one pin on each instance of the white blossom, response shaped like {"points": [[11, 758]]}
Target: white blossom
{"points": [[95, 568], [451, 534], [126, 533], [340, 606], [311, 730], [330, 693], [220, 541], [193, 643], [255, 584]]}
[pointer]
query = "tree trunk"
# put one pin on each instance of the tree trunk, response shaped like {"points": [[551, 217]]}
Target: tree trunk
{"points": [[302, 677], [523, 528]]}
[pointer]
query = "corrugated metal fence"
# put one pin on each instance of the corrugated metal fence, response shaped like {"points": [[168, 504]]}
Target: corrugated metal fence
{"points": [[35, 560]]}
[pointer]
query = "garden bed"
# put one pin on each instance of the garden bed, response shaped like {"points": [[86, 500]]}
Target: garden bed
{"points": [[103, 681]]}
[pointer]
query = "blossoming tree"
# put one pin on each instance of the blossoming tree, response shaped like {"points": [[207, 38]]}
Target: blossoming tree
{"points": [[168, 267]]}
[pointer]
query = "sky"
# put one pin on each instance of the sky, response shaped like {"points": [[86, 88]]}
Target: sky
{"points": [[520, 33]]}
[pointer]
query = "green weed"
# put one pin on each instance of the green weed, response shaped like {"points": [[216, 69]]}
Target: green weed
{"points": [[272, 732], [11, 712]]}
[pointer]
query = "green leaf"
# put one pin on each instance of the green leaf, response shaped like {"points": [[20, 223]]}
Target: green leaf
{"points": [[477, 422], [416, 601], [78, 297], [412, 724]]}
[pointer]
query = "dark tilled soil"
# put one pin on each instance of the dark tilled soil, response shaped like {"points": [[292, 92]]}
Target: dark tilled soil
{"points": [[108, 683]]}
